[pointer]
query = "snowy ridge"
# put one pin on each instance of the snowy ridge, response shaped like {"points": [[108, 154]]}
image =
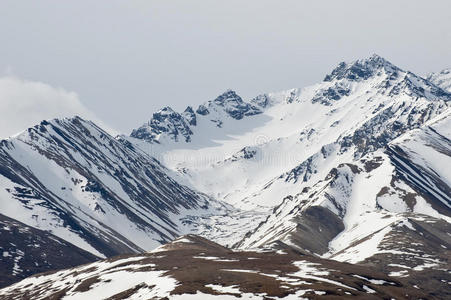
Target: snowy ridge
{"points": [[167, 125], [71, 178]]}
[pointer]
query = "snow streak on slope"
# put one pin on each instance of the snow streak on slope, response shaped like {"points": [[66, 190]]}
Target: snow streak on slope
{"points": [[101, 194], [423, 157]]}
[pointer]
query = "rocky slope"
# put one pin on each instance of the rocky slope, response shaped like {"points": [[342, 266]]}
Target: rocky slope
{"points": [[25, 251], [194, 268]]}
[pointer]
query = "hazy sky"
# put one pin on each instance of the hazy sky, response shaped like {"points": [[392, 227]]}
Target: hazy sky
{"points": [[126, 59]]}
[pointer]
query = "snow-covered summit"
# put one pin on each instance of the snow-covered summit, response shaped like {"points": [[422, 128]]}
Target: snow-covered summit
{"points": [[362, 69], [396, 80], [365, 79], [167, 121]]}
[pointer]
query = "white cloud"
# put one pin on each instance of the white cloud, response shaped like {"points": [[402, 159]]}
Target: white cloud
{"points": [[25, 103]]}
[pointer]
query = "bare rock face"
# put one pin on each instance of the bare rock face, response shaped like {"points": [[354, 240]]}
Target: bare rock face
{"points": [[166, 121]]}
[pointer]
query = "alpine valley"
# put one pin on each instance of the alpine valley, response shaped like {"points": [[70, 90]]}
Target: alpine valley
{"points": [[340, 189]]}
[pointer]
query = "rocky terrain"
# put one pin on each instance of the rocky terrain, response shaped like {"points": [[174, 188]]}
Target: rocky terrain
{"points": [[194, 268]]}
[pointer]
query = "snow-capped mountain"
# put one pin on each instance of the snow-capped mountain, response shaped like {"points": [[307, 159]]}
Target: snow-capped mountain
{"points": [[441, 79], [359, 108], [99, 193], [333, 169], [353, 169], [194, 268]]}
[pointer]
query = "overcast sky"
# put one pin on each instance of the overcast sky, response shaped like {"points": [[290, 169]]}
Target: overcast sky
{"points": [[122, 60]]}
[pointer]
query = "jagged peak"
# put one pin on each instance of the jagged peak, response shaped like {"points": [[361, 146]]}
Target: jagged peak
{"points": [[189, 109], [190, 116], [167, 121], [228, 96], [165, 110], [231, 103], [362, 69]]}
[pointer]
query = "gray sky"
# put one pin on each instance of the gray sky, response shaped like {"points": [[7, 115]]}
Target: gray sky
{"points": [[126, 59]]}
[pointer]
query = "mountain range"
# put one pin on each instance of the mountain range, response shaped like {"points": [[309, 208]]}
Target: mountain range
{"points": [[351, 174]]}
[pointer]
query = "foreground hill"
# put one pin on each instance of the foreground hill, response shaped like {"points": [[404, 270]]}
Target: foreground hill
{"points": [[194, 268]]}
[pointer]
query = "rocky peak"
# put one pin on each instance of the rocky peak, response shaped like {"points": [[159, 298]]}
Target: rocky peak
{"points": [[202, 110], [392, 81], [362, 69], [190, 116], [234, 105], [228, 96], [164, 113], [167, 121]]}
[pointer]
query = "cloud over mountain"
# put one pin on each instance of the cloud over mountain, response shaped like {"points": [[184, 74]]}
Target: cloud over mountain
{"points": [[25, 103]]}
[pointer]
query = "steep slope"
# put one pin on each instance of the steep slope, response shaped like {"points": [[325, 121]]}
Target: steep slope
{"points": [[389, 210], [194, 268], [26, 251], [421, 158], [102, 194]]}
